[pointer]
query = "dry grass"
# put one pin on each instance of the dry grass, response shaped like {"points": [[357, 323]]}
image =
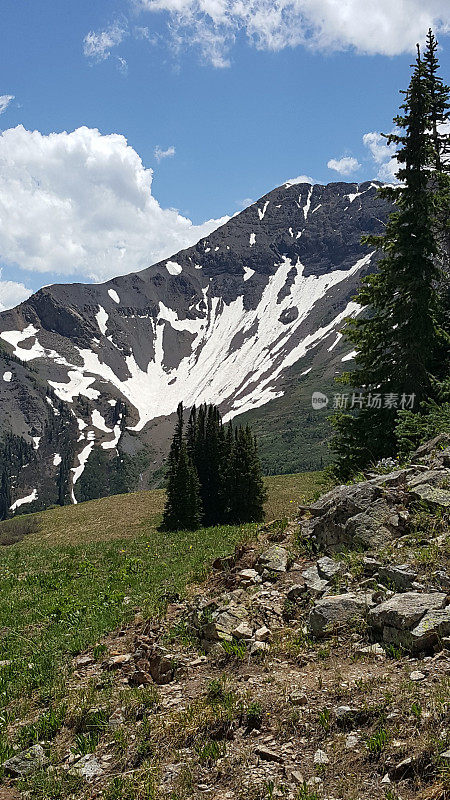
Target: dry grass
{"points": [[127, 516]]}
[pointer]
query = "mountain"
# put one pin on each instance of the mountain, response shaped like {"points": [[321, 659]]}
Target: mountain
{"points": [[248, 318]]}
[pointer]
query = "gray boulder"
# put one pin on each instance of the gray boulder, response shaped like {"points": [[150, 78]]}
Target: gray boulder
{"points": [[337, 610], [412, 620], [26, 762], [274, 559], [401, 576], [225, 623], [372, 505], [328, 568], [404, 611], [433, 495], [313, 582]]}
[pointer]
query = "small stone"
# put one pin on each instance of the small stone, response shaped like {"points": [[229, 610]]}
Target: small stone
{"points": [[370, 566], [263, 634], [197, 662], [268, 755], [371, 650], [320, 757], [248, 577], [446, 755], [298, 698], [84, 661], [352, 741], [116, 662], [342, 712], [259, 647], [297, 777], [116, 719], [140, 678], [417, 676], [314, 583], [274, 559], [295, 591], [88, 767], [243, 631], [386, 780]]}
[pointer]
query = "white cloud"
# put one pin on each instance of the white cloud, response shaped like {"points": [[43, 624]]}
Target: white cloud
{"points": [[160, 153], [366, 26], [300, 179], [81, 204], [345, 166], [12, 293], [97, 46], [383, 156], [5, 100]]}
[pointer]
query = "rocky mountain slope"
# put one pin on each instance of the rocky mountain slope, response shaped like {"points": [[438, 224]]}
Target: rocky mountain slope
{"points": [[304, 667], [243, 319]]}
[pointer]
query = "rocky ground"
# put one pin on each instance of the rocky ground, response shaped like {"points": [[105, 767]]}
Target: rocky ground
{"points": [[313, 664]]}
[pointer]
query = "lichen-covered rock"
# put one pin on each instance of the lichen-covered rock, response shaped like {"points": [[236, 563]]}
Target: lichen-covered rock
{"points": [[365, 514], [26, 762]]}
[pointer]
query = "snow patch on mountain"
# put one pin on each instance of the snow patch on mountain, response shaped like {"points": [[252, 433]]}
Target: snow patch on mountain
{"points": [[262, 211], [114, 296], [173, 268], [102, 319], [24, 500]]}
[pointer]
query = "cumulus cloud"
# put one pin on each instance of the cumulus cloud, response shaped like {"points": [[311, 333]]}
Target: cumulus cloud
{"points": [[12, 293], [383, 155], [369, 27], [5, 100], [81, 204], [97, 46], [345, 166], [160, 153], [300, 179]]}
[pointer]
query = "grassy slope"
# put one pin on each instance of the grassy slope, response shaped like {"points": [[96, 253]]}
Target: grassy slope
{"points": [[90, 567]]}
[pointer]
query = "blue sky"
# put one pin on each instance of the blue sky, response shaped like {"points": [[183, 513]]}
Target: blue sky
{"points": [[234, 98]]}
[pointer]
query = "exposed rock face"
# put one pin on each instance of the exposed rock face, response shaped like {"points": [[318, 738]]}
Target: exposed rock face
{"points": [[266, 290], [367, 514]]}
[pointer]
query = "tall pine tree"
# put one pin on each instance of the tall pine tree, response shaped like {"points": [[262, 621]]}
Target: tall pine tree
{"points": [[183, 509], [248, 493], [398, 339]]}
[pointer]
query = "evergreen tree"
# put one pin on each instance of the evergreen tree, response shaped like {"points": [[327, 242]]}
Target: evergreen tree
{"points": [[398, 340], [439, 105], [5, 494], [214, 474], [247, 487], [183, 505]]}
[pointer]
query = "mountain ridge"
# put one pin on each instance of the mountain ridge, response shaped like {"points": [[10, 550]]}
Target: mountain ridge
{"points": [[222, 321]]}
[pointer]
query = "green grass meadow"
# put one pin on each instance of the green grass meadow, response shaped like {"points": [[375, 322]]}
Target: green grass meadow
{"points": [[87, 569]]}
